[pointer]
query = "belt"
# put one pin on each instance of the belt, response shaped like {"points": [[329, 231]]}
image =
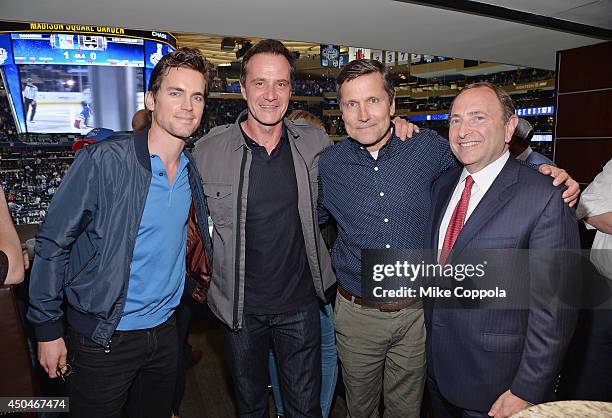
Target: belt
{"points": [[383, 307]]}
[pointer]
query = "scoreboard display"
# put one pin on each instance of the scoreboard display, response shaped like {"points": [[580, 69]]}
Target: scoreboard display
{"points": [[67, 78], [72, 49]]}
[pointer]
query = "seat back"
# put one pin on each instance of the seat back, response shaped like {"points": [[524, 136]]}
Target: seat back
{"points": [[16, 372]]}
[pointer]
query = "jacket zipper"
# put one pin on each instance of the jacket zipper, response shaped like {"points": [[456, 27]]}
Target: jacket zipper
{"points": [[315, 225], [238, 242], [131, 256]]}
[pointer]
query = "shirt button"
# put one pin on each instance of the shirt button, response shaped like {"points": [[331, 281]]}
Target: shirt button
{"points": [[386, 219], [382, 194], [387, 246], [375, 168]]}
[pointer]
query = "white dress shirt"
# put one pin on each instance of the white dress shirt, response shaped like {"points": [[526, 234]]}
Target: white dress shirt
{"points": [[482, 181], [596, 200]]}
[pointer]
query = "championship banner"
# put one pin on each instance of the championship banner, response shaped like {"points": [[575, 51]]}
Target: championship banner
{"points": [[330, 56], [344, 59], [390, 58], [359, 53], [377, 55]]}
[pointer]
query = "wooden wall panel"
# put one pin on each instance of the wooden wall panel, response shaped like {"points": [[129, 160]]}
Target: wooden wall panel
{"points": [[583, 158], [586, 68], [583, 115], [586, 114]]}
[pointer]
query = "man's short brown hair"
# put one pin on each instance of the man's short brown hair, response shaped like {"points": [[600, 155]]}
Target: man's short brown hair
{"points": [[507, 105], [184, 57], [266, 46]]}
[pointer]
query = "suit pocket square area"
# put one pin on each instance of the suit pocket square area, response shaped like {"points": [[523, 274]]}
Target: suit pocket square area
{"points": [[503, 343]]}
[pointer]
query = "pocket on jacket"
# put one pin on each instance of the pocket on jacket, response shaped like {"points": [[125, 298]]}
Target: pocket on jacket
{"points": [[503, 343], [220, 202], [493, 243], [85, 268]]}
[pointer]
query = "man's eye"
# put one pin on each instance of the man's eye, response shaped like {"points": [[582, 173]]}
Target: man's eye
{"points": [[477, 119]]}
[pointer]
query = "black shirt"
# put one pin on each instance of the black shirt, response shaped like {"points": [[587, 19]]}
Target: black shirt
{"points": [[4, 264], [277, 277]]}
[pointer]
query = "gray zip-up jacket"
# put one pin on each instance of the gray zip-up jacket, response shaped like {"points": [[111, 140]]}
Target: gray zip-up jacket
{"points": [[224, 160]]}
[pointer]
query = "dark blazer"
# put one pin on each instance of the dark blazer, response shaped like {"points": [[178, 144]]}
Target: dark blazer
{"points": [[474, 355], [536, 158]]}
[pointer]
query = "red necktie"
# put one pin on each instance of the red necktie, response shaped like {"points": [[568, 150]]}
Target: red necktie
{"points": [[457, 220]]}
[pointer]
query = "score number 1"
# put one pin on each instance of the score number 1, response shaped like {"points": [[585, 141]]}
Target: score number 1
{"points": [[92, 55]]}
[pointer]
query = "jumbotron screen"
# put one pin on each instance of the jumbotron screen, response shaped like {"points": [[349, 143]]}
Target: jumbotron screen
{"points": [[72, 78], [71, 49]]}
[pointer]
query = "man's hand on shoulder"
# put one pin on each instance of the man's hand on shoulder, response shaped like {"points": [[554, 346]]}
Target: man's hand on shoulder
{"points": [[52, 354], [570, 196], [404, 129], [507, 405]]}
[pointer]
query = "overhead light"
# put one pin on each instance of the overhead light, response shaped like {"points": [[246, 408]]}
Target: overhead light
{"points": [[225, 64]]}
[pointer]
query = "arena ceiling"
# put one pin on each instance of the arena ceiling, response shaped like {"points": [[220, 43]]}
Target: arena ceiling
{"points": [[520, 32]]}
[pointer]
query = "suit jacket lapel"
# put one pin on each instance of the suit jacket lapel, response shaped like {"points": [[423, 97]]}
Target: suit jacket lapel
{"points": [[495, 198]]}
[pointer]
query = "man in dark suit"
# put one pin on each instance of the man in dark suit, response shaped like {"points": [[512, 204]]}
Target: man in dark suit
{"points": [[495, 362]]}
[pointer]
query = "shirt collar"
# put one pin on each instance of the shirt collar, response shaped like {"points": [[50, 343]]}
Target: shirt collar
{"points": [[383, 151], [485, 177], [252, 144], [183, 161]]}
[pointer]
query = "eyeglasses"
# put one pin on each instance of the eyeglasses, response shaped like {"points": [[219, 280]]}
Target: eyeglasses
{"points": [[64, 374]]}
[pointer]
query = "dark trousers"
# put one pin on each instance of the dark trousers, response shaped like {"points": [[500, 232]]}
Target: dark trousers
{"points": [[28, 103], [442, 408], [587, 374], [184, 312], [295, 338], [138, 373]]}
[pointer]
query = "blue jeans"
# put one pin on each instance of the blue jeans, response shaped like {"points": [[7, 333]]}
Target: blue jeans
{"points": [[295, 338], [329, 365]]}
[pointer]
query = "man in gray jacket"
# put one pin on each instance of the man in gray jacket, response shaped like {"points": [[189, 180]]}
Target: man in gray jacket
{"points": [[271, 265]]}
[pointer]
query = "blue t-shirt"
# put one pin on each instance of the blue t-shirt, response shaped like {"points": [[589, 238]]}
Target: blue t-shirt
{"points": [[157, 272]]}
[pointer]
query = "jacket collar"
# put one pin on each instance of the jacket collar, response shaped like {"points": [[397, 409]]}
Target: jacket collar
{"points": [[141, 145], [238, 138]]}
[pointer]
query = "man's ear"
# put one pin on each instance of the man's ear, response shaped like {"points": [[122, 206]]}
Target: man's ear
{"points": [[150, 101], [510, 127], [243, 91]]}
